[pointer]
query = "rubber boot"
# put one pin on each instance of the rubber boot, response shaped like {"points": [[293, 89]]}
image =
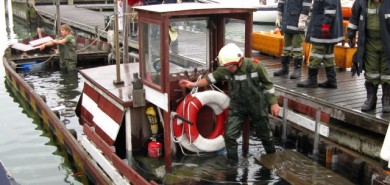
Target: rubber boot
{"points": [[331, 81], [284, 70], [311, 81], [269, 145], [297, 68], [385, 97], [370, 103]]}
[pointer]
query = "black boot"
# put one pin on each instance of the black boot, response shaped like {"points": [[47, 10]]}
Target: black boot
{"points": [[385, 97], [297, 68], [370, 103], [331, 81], [284, 70], [269, 145], [311, 81]]}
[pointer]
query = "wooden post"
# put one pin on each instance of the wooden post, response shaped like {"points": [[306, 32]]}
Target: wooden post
{"points": [[58, 19], [118, 80], [125, 33]]}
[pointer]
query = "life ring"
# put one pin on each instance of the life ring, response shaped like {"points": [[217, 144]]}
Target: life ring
{"points": [[217, 101], [189, 109], [178, 129]]}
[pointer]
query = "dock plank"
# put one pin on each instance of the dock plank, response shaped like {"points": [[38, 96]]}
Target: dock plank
{"points": [[297, 169]]}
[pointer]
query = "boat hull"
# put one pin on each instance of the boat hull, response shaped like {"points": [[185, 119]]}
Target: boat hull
{"points": [[50, 120]]}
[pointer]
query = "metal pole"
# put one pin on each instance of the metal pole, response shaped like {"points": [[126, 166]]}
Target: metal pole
{"points": [[316, 133], [284, 128], [58, 19], [125, 33], [118, 80]]}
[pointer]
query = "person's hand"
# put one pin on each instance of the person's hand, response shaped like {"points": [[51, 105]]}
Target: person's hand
{"points": [[302, 22], [275, 109], [42, 47], [187, 84], [351, 42], [325, 30], [278, 22]]}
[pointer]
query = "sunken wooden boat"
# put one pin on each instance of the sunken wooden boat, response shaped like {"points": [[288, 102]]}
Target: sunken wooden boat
{"points": [[113, 103], [27, 50], [115, 100]]}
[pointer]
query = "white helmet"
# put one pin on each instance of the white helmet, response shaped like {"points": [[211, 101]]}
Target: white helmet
{"points": [[230, 54]]}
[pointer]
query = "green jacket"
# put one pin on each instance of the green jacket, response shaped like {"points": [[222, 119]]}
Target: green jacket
{"points": [[249, 68], [68, 50]]}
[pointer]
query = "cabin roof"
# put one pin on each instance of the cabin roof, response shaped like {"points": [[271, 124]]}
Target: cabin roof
{"points": [[190, 7]]}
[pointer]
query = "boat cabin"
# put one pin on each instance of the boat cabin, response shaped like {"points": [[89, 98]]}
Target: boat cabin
{"points": [[181, 41], [176, 41]]}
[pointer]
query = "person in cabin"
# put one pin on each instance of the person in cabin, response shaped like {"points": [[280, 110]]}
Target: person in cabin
{"points": [[133, 16], [67, 48], [324, 32], [372, 21], [251, 92], [291, 18]]}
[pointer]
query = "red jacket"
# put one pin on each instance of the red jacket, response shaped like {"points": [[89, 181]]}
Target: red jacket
{"points": [[132, 2]]}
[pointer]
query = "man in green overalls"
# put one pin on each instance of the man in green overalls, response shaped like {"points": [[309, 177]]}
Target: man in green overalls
{"points": [[67, 46], [371, 19], [251, 92]]}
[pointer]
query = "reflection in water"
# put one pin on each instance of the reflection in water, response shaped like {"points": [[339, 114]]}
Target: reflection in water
{"points": [[62, 91], [69, 93], [210, 168]]}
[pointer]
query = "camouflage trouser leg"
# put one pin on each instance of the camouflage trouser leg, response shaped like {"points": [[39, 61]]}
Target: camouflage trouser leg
{"points": [[375, 65], [68, 65], [71, 65], [322, 54], [260, 122], [232, 132], [292, 44], [263, 131]]}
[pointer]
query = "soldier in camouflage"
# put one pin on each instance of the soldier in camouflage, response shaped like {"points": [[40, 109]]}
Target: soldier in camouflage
{"points": [[251, 93]]}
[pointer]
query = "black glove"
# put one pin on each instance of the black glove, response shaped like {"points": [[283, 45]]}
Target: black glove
{"points": [[351, 34], [351, 41], [355, 65]]}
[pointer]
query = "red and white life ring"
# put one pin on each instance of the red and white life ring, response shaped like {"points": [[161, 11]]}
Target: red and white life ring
{"points": [[192, 140], [178, 129]]}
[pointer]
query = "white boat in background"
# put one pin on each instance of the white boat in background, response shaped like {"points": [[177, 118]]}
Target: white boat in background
{"points": [[266, 13], [266, 9]]}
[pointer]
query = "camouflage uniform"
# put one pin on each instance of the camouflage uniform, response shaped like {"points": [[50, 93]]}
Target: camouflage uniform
{"points": [[372, 22], [251, 92], [68, 56]]}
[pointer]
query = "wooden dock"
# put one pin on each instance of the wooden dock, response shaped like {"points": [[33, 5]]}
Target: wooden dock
{"points": [[343, 103], [83, 19]]}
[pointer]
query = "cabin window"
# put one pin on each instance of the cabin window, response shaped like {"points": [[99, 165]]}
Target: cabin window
{"points": [[235, 32], [151, 53], [190, 50]]}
